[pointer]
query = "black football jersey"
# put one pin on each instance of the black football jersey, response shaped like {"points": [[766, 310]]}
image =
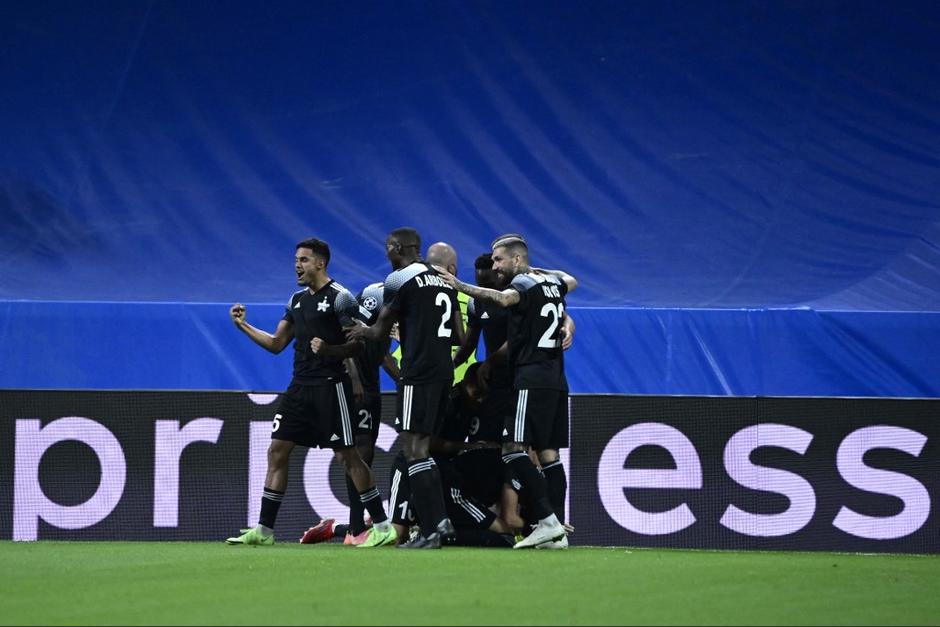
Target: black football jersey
{"points": [[462, 421], [493, 321], [370, 359], [322, 315], [456, 423], [425, 305], [535, 322]]}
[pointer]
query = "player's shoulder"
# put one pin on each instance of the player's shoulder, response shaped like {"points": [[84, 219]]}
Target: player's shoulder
{"points": [[398, 278], [294, 299], [524, 281], [339, 288], [341, 295], [370, 299], [372, 291], [528, 280]]}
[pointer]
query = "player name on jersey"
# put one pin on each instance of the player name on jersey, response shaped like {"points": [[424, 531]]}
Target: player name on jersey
{"points": [[432, 280], [551, 291]]}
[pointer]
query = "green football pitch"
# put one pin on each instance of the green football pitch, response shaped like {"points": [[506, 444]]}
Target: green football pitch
{"points": [[137, 583]]}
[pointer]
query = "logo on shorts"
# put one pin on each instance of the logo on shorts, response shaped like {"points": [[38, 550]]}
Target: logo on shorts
{"points": [[334, 438], [397, 420], [323, 306], [485, 316], [370, 303]]}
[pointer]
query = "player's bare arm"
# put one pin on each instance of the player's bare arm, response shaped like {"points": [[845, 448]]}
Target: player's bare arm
{"points": [[336, 351], [460, 332], [567, 331], [276, 343], [504, 298], [570, 281], [355, 379], [376, 332], [390, 365], [469, 345], [499, 356], [447, 448]]}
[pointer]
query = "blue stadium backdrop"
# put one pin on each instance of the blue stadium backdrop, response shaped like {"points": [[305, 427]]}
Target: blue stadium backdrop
{"points": [[748, 192]]}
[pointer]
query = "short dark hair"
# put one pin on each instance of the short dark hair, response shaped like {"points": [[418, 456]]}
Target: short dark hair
{"points": [[484, 262], [320, 248], [407, 237]]}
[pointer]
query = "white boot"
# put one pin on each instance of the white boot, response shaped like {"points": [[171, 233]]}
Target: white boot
{"points": [[554, 544], [548, 530]]}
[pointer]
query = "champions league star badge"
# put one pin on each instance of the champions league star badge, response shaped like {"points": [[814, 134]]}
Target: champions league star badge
{"points": [[370, 303]]}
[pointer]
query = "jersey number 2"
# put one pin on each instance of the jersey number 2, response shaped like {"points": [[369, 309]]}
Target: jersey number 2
{"points": [[442, 299], [556, 312]]}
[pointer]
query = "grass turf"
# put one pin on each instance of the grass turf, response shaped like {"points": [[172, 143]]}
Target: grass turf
{"points": [[131, 583]]}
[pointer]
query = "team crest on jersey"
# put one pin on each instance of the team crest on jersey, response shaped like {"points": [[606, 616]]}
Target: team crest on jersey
{"points": [[323, 305], [370, 303]]}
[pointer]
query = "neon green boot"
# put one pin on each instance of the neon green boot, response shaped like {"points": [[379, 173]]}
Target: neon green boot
{"points": [[252, 537], [379, 538]]}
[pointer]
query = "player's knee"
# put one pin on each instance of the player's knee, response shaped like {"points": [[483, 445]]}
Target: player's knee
{"points": [[365, 447], [349, 457], [279, 453], [548, 456]]}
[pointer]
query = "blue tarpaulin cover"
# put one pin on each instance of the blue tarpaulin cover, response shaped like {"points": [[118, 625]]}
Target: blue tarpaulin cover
{"points": [[748, 192]]}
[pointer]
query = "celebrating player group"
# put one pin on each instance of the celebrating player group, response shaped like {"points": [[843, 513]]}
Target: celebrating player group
{"points": [[479, 462]]}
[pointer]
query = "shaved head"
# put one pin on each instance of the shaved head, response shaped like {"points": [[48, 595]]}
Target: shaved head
{"points": [[442, 254]]}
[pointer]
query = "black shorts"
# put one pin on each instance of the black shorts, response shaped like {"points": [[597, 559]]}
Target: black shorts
{"points": [[315, 415], [463, 510], [539, 418], [367, 417], [494, 411], [421, 407]]}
